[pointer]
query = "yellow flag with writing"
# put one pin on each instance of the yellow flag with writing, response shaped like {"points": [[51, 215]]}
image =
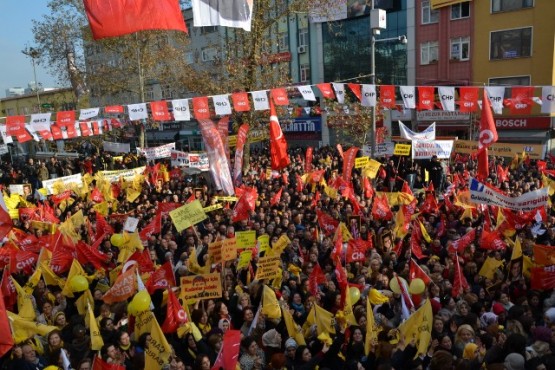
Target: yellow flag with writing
{"points": [[488, 268], [82, 302], [324, 320], [25, 306], [418, 328], [33, 281], [425, 234], [96, 339], [293, 329], [270, 305], [159, 350], [24, 329], [371, 328]]}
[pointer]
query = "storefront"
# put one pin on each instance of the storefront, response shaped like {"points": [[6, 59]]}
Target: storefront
{"points": [[530, 130], [456, 124], [302, 132]]}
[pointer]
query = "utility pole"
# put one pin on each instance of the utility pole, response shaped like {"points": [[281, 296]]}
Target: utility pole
{"points": [[33, 53]]}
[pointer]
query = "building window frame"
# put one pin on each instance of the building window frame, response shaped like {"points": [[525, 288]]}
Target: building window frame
{"points": [[304, 72], [525, 80], [522, 52], [500, 6], [460, 10], [429, 16], [429, 52], [460, 48], [303, 37], [283, 41]]}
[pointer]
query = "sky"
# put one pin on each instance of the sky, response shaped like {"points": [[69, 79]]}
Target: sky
{"points": [[16, 69]]}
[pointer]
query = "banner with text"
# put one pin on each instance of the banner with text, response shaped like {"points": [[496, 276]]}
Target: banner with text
{"points": [[128, 175], [207, 286], [535, 151], [481, 194], [162, 151], [66, 180], [427, 149]]}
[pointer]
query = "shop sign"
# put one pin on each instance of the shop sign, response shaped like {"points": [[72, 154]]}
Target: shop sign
{"points": [[522, 123]]}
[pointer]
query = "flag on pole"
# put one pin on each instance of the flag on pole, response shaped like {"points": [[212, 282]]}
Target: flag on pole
{"points": [[278, 144]]}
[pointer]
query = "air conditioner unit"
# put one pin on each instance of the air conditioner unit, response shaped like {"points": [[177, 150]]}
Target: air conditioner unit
{"points": [[301, 49]]}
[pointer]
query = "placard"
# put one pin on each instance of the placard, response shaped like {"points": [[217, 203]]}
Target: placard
{"points": [[280, 245], [371, 169], [206, 286], [188, 215], [213, 207], [427, 149], [402, 149], [361, 162], [21, 189], [535, 151], [229, 251], [268, 267], [131, 224], [226, 198], [215, 251], [245, 239]]}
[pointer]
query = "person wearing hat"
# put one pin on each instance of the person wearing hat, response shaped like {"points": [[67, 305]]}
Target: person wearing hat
{"points": [[514, 361], [271, 342], [290, 348]]}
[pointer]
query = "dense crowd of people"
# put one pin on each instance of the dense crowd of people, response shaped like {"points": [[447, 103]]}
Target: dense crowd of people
{"points": [[496, 322]]}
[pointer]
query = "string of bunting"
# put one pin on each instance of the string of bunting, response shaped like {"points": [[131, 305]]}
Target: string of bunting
{"points": [[447, 98]]}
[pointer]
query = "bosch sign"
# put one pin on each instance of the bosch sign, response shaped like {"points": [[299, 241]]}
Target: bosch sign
{"points": [[520, 123]]}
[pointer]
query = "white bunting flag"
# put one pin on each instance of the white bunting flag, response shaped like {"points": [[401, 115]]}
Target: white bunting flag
{"points": [[409, 96], [307, 92], [33, 132], [447, 97], [41, 121], [137, 111], [368, 95], [7, 139], [429, 134], [496, 95], [88, 113], [339, 92], [548, 99], [221, 105], [181, 111], [307, 110], [260, 100]]}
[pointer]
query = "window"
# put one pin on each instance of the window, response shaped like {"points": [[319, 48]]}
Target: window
{"points": [[510, 81], [305, 72], [303, 37], [429, 15], [460, 48], [149, 93], [429, 52], [209, 54], [167, 92], [189, 57], [507, 5], [460, 10], [207, 29], [283, 41], [509, 44]]}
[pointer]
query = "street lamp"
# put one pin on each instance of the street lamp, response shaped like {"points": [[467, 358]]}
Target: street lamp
{"points": [[33, 53]]}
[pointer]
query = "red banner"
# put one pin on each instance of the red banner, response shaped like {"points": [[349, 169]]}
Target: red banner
{"points": [[279, 96], [521, 100], [426, 98], [15, 125], [387, 96], [85, 130], [241, 102], [349, 162], [159, 110], [238, 165], [201, 109], [65, 118], [217, 157], [468, 99], [326, 90], [115, 109]]}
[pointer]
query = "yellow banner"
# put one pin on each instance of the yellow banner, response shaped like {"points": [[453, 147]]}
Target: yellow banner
{"points": [[226, 199], [201, 287], [535, 151], [215, 251], [213, 207], [268, 267], [361, 162], [436, 4], [371, 169], [280, 245], [245, 239], [229, 251], [401, 149], [188, 215], [244, 259], [263, 243]]}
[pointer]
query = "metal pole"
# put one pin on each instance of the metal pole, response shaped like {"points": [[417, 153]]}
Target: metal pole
{"points": [[373, 82], [36, 83]]}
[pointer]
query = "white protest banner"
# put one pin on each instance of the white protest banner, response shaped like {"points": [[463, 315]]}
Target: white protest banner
{"points": [[260, 100], [409, 96], [116, 147], [307, 92], [66, 180], [5, 137], [548, 99], [179, 159], [199, 160], [128, 175], [131, 224], [427, 135], [41, 121], [447, 97], [88, 113], [481, 194], [221, 104], [4, 149], [162, 151], [427, 149], [368, 95], [382, 150]]}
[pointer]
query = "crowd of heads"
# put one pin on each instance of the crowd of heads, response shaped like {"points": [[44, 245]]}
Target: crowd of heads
{"points": [[496, 322]]}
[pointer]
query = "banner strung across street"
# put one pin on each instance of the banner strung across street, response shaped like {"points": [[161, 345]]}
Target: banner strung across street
{"points": [[162, 151], [427, 149], [481, 194], [193, 160], [428, 134], [128, 175], [535, 151], [66, 180]]}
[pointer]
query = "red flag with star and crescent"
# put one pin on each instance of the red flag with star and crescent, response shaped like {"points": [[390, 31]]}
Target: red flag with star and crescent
{"points": [[278, 144]]}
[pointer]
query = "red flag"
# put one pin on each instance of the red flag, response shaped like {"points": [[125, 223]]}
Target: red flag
{"points": [[326, 90], [381, 209], [348, 163], [160, 111], [327, 223], [521, 100], [387, 96], [102, 226], [426, 98], [459, 281], [356, 250], [316, 278], [9, 292], [85, 130], [26, 242], [6, 223], [492, 240], [542, 278], [24, 261], [340, 150], [502, 175], [341, 277], [229, 352], [299, 182], [460, 244], [124, 287], [241, 102], [542, 165], [488, 132], [279, 97], [6, 340], [430, 204], [415, 247], [58, 198], [469, 99], [544, 255], [308, 159], [278, 144], [175, 314], [86, 254], [161, 278], [356, 89], [153, 227], [111, 18], [416, 272], [276, 198], [65, 118], [15, 125], [96, 195], [116, 109], [368, 189], [483, 165], [100, 364], [201, 109]]}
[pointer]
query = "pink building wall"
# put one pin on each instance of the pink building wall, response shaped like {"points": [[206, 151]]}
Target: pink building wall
{"points": [[445, 71]]}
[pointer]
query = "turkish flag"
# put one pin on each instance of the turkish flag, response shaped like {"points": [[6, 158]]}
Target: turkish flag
{"points": [[175, 314], [242, 208], [241, 102], [159, 110], [416, 272], [279, 97], [387, 96], [426, 98], [468, 99], [488, 132], [96, 195], [111, 18], [278, 144], [201, 109], [326, 90]]}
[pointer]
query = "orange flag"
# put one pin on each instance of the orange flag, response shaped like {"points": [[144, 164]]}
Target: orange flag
{"points": [[124, 287]]}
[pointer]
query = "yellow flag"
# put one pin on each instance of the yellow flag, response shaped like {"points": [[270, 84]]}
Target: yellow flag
{"points": [[96, 339], [345, 232], [377, 297], [330, 192], [324, 320], [194, 266], [24, 329], [82, 302], [101, 208], [49, 276], [132, 194], [244, 259], [488, 268], [25, 301], [371, 328], [517, 250], [270, 305], [293, 329], [159, 350], [371, 169], [348, 311], [549, 183], [418, 327], [424, 233], [75, 270], [526, 266], [32, 283], [399, 231]]}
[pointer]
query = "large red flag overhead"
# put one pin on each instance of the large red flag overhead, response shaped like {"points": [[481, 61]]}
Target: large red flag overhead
{"points": [[278, 144], [110, 18], [488, 132]]}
